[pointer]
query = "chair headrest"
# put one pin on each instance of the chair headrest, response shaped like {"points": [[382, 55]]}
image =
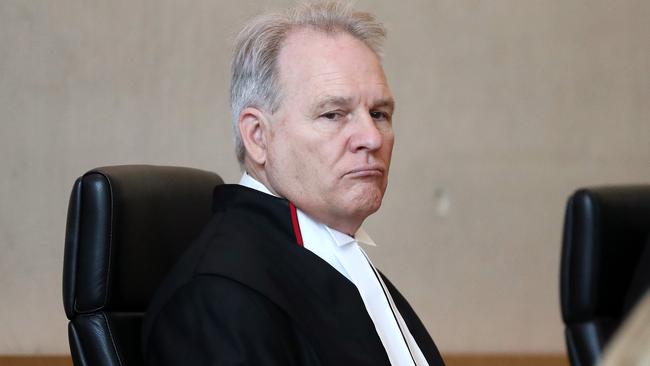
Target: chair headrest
{"points": [[127, 225], [605, 231]]}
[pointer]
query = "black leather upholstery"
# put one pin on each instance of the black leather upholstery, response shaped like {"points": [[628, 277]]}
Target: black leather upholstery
{"points": [[126, 227], [606, 230]]}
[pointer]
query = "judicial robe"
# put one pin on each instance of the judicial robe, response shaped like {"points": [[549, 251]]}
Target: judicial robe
{"points": [[246, 293]]}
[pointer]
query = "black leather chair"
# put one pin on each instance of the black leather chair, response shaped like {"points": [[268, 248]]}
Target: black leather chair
{"points": [[606, 237], [126, 227]]}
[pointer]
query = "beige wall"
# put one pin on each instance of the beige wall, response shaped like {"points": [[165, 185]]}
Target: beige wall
{"points": [[504, 107]]}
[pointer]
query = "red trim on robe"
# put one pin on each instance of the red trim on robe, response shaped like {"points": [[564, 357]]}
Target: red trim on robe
{"points": [[295, 224]]}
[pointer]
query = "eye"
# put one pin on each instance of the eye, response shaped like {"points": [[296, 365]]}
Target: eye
{"points": [[380, 116], [333, 116]]}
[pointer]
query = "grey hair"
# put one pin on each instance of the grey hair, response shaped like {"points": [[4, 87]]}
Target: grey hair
{"points": [[254, 67]]}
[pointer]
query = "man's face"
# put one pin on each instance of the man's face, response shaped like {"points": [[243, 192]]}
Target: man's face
{"points": [[330, 142]]}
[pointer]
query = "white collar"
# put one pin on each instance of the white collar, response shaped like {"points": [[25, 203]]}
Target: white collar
{"points": [[250, 182], [341, 239]]}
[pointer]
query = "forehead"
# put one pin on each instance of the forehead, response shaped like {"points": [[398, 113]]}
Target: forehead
{"points": [[313, 62]]}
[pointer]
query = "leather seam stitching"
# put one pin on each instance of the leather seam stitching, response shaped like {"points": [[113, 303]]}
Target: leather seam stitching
{"points": [[110, 336]]}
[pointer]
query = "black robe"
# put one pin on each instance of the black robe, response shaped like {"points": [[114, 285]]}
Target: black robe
{"points": [[245, 293]]}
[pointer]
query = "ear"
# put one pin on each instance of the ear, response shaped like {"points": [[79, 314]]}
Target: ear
{"points": [[253, 127]]}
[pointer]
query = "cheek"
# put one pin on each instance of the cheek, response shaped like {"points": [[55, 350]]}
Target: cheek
{"points": [[300, 161], [317, 154], [389, 140], [280, 160]]}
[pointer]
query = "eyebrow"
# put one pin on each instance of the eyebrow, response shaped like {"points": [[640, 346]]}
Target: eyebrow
{"points": [[339, 101], [331, 100], [387, 103]]}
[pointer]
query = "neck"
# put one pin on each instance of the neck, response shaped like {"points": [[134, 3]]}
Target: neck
{"points": [[260, 176], [346, 225]]}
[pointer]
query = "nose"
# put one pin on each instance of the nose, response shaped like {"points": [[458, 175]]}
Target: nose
{"points": [[365, 135]]}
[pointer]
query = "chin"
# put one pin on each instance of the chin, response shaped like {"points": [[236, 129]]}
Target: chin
{"points": [[365, 205]]}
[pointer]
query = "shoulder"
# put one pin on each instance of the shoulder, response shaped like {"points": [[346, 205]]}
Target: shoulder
{"points": [[217, 320], [213, 293]]}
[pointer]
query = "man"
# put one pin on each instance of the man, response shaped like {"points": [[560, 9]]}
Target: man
{"points": [[278, 276]]}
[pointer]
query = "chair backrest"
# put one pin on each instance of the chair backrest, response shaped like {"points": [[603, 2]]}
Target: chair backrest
{"points": [[606, 232], [126, 227]]}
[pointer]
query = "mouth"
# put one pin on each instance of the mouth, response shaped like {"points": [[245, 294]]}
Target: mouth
{"points": [[365, 172]]}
